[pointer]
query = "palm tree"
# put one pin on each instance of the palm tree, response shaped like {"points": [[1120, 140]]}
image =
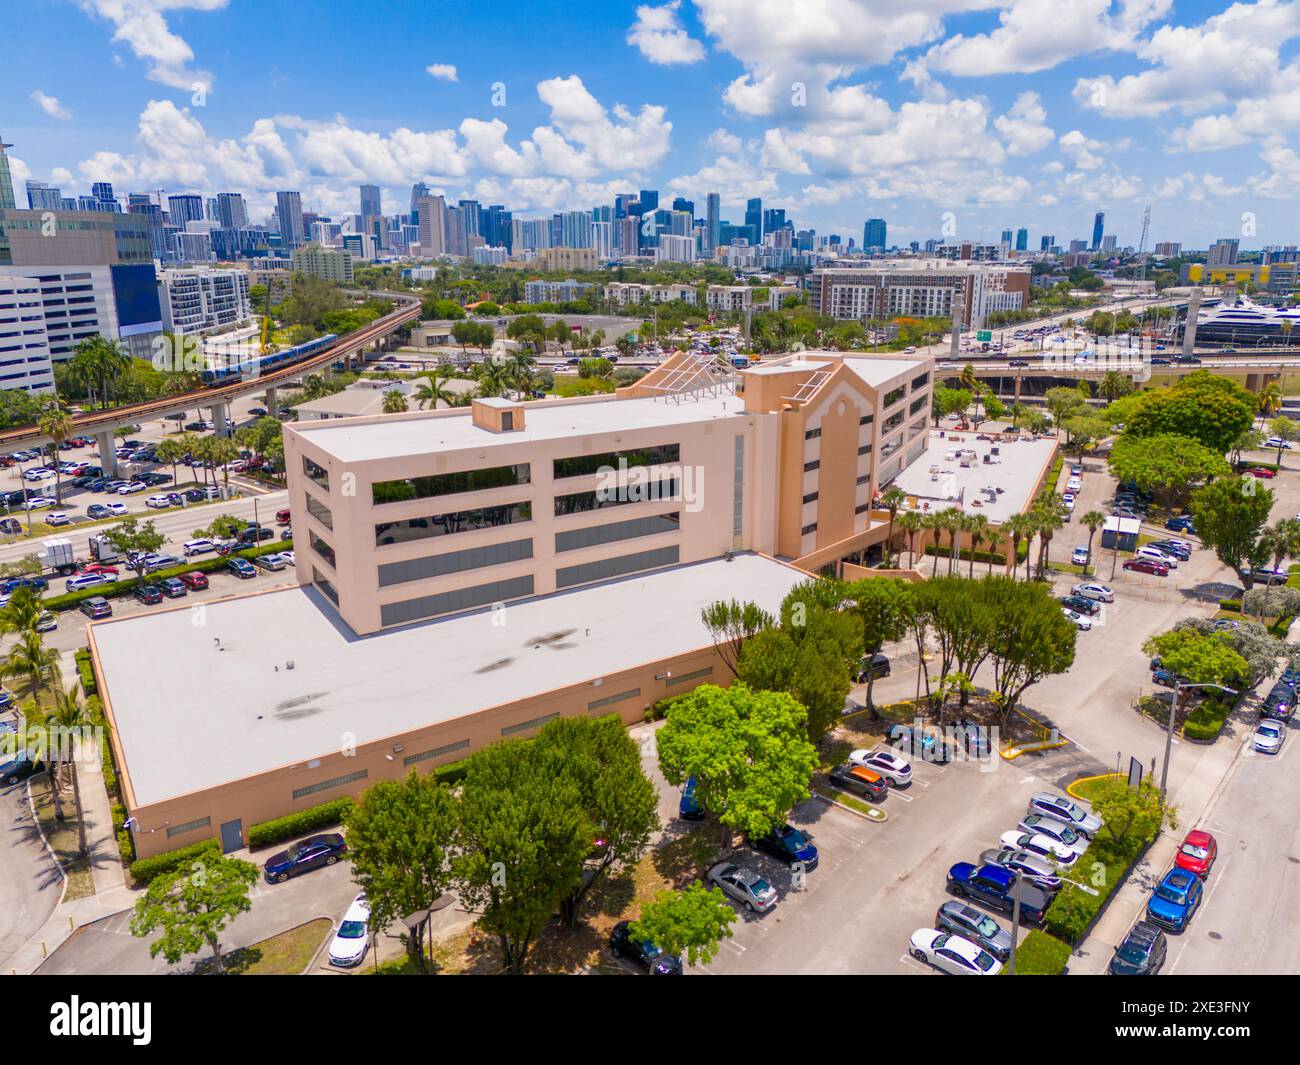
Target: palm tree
{"points": [[1092, 521], [68, 714], [1049, 515], [221, 452], [1112, 385], [1270, 401], [395, 402], [993, 536], [1285, 539], [30, 660], [57, 424], [954, 522], [910, 522], [978, 526], [171, 449], [891, 499], [492, 378], [518, 370], [935, 523], [433, 390], [22, 612]]}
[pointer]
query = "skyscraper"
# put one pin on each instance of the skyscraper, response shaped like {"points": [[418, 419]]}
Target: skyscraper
{"points": [[754, 219], [1098, 229], [371, 202], [288, 206], [649, 199], [1047, 242], [1022, 239], [417, 190], [431, 213], [6, 178], [873, 234], [103, 193], [185, 208], [713, 222], [1006, 237], [43, 197], [232, 212]]}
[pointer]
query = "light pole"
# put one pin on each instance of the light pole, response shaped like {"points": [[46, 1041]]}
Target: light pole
{"points": [[1015, 913], [1179, 687]]}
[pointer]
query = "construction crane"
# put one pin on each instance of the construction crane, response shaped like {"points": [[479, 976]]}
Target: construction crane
{"points": [[1142, 244]]}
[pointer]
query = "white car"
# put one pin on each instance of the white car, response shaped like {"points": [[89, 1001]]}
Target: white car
{"points": [[288, 557], [1080, 622], [1053, 829], [57, 518], [1090, 590], [1156, 555], [158, 502], [952, 954], [352, 940], [40, 473], [197, 547], [131, 487], [1074, 484], [896, 770], [1042, 846], [38, 501], [1080, 555], [1068, 501], [1274, 442], [120, 509], [1269, 736]]}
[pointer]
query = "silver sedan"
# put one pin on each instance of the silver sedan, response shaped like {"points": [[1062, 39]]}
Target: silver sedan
{"points": [[745, 885]]}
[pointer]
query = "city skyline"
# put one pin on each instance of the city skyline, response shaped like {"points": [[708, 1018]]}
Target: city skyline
{"points": [[962, 121]]}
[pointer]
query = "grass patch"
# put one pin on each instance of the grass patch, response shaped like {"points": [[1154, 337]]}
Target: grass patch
{"points": [[286, 954], [843, 798], [63, 837], [1088, 790]]}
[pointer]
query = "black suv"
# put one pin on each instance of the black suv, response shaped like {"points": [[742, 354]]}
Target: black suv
{"points": [[643, 953], [1280, 702], [878, 667], [1142, 953]]}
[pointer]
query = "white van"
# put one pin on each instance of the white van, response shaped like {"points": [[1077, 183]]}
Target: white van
{"points": [[1156, 555], [197, 547]]}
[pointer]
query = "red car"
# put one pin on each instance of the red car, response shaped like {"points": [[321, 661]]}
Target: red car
{"points": [[1197, 852], [1146, 565], [100, 567], [1262, 472], [194, 580]]}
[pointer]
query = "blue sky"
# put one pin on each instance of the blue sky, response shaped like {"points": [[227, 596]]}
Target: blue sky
{"points": [[958, 117]]}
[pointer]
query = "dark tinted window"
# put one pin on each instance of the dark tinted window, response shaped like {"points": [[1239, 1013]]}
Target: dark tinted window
{"points": [[449, 483]]}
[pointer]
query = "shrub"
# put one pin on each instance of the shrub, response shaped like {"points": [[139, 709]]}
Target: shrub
{"points": [[86, 671], [1041, 955], [146, 870], [326, 815], [658, 711], [453, 773], [1206, 721], [1072, 912], [1230, 604]]}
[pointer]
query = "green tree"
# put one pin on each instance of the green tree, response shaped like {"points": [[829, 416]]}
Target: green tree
{"points": [[1126, 811], [57, 725], [56, 423], [880, 605], [433, 390], [748, 751], [1167, 463], [731, 623], [1211, 410], [1031, 638], [400, 834], [892, 498], [395, 402], [1093, 521], [192, 907], [31, 661], [1229, 515], [1201, 658], [134, 540], [690, 922], [1285, 431]]}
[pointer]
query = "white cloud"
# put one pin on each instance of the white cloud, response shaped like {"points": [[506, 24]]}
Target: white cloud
{"points": [[1025, 126], [659, 36], [50, 105], [141, 26], [720, 140], [1080, 150], [442, 71]]}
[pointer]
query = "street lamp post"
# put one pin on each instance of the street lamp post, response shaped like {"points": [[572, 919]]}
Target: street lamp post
{"points": [[1015, 914], [1179, 688]]}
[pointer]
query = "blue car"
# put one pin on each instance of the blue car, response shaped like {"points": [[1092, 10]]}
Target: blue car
{"points": [[1182, 523], [9, 586], [312, 853], [689, 808], [1175, 899], [994, 886], [787, 844]]}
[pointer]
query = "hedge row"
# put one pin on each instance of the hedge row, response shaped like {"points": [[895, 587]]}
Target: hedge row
{"points": [[1072, 911], [86, 671], [1206, 721], [1041, 955], [125, 841], [71, 600], [146, 870], [277, 830]]}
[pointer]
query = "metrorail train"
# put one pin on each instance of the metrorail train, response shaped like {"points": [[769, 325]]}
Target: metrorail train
{"points": [[236, 366]]}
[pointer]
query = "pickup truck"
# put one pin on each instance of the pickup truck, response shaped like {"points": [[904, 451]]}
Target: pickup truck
{"points": [[995, 886]]}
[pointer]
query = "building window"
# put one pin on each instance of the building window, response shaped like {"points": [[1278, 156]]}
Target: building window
{"points": [[326, 785], [866, 419], [921, 381], [524, 726], [812, 434], [610, 700], [865, 449], [811, 497], [593, 535], [808, 467], [738, 491], [892, 422], [320, 512], [427, 606], [437, 752], [420, 569], [318, 579], [654, 492], [862, 508], [684, 678], [808, 529], [605, 568], [917, 404], [893, 397], [316, 473], [456, 521], [189, 826], [582, 465], [323, 549], [444, 484]]}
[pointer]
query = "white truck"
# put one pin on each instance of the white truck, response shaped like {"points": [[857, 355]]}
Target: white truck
{"points": [[58, 555], [102, 549]]}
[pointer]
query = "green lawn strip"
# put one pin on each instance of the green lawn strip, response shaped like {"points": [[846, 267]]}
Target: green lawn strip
{"points": [[286, 954], [63, 837]]}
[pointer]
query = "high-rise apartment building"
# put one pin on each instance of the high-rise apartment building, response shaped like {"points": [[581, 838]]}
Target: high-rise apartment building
{"points": [[288, 207], [331, 264], [6, 178], [874, 235], [1223, 252], [418, 190], [232, 212], [431, 217], [43, 197], [1022, 239], [713, 222], [1098, 229], [184, 209]]}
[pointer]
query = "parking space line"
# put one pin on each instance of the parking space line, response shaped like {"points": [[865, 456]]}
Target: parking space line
{"points": [[912, 963]]}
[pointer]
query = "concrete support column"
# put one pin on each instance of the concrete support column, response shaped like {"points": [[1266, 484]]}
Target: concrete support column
{"points": [[273, 401], [221, 419], [1189, 327], [106, 442]]}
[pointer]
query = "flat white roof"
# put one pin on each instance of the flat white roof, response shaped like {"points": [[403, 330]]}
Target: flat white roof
{"points": [[1001, 487], [877, 372], [398, 436], [219, 704]]}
